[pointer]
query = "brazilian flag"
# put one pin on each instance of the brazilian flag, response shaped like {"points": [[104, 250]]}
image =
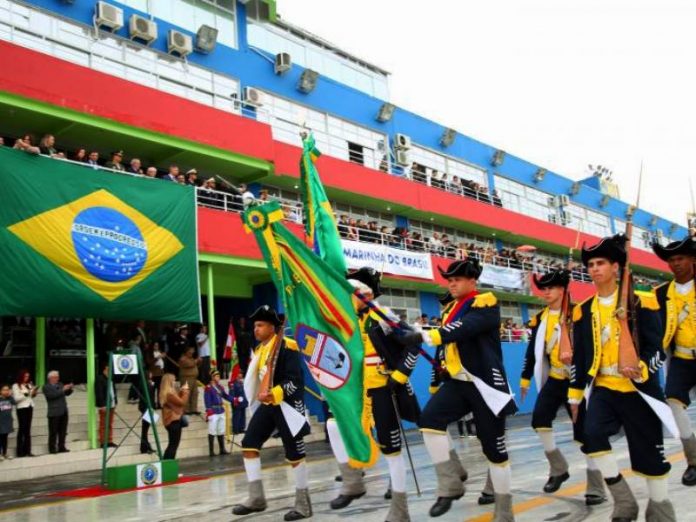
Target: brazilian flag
{"points": [[317, 301], [78, 242]]}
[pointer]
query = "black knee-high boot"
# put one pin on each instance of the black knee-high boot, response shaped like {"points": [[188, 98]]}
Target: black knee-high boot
{"points": [[221, 443], [211, 442]]}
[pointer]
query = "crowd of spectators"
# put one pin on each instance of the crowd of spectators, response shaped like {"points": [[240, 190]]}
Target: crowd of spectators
{"points": [[454, 184]]}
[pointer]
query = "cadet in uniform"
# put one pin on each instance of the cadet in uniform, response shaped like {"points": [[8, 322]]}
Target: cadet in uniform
{"points": [[629, 397], [288, 386], [474, 381], [678, 310], [387, 367], [542, 361]]}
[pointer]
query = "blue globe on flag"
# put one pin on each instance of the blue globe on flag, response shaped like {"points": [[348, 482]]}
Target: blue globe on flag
{"points": [[109, 245]]}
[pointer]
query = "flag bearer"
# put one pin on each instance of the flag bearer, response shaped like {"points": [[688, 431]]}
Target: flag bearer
{"points": [[387, 367]]}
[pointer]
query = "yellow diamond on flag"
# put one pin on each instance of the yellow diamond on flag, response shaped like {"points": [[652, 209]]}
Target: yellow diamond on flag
{"points": [[102, 242]]}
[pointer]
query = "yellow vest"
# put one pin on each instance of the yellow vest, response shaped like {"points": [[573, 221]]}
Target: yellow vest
{"points": [[685, 335], [551, 323], [372, 366], [610, 349]]}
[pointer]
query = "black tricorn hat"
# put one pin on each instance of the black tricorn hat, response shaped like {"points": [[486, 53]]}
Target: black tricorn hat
{"points": [[266, 314], [445, 299], [468, 267], [370, 277], [560, 277], [612, 248], [685, 247]]}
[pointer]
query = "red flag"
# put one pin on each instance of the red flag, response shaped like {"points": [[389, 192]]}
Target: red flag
{"points": [[230, 353]]}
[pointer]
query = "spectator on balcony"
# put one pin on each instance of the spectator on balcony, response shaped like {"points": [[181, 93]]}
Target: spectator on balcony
{"points": [[449, 248], [151, 172], [417, 243], [246, 196], [296, 213], [2, 141], [192, 178], [181, 179], [496, 199], [482, 194], [361, 227], [57, 411], [209, 195], [436, 179], [435, 244], [135, 167], [444, 181], [384, 235], [353, 234], [418, 173], [25, 143], [264, 197], [93, 159], [116, 161], [172, 173], [46, 146], [80, 155], [396, 238], [462, 251], [343, 224], [456, 185]]}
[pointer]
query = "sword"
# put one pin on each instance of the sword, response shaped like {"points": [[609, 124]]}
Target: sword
{"points": [[403, 436]]}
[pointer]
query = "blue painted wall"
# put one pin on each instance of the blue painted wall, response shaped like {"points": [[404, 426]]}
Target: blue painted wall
{"points": [[340, 100]]}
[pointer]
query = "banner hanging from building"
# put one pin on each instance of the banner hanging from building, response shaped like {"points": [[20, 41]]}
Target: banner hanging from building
{"points": [[83, 243], [503, 277], [387, 259]]}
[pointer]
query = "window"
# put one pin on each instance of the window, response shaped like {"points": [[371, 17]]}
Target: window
{"points": [[191, 14], [510, 310], [525, 200], [116, 56], [321, 58], [402, 302], [426, 161], [641, 238], [588, 221]]}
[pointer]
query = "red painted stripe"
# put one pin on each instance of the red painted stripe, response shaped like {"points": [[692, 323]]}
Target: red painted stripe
{"points": [[41, 77]]}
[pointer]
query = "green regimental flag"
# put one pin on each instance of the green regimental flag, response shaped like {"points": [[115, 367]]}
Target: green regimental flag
{"points": [[318, 303], [78, 242], [320, 223]]}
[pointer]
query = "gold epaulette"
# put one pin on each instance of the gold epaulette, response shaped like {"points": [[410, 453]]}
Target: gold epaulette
{"points": [[533, 321], [648, 300], [577, 309], [291, 344], [484, 300]]}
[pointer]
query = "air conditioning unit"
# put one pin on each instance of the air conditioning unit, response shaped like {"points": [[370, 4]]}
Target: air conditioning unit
{"points": [[253, 96], [109, 16], [403, 158], [179, 43], [565, 217], [402, 142], [142, 28], [283, 63], [562, 200], [552, 202]]}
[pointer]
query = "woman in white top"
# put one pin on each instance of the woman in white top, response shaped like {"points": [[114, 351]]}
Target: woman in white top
{"points": [[23, 392]]}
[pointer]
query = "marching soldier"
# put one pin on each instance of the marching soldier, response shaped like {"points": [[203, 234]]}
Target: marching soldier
{"points": [[268, 416], [474, 381], [678, 310], [387, 367], [543, 362], [617, 396]]}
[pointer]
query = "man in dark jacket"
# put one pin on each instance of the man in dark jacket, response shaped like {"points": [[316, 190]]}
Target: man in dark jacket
{"points": [[678, 311], [286, 389], [475, 381], [104, 396], [618, 394], [55, 393]]}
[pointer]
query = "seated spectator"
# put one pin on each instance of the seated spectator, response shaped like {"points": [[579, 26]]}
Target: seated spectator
{"points": [[80, 155], [353, 234], [46, 146], [417, 243], [496, 199], [115, 162], [93, 159], [192, 177], [25, 143], [135, 167], [151, 172], [436, 179]]}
